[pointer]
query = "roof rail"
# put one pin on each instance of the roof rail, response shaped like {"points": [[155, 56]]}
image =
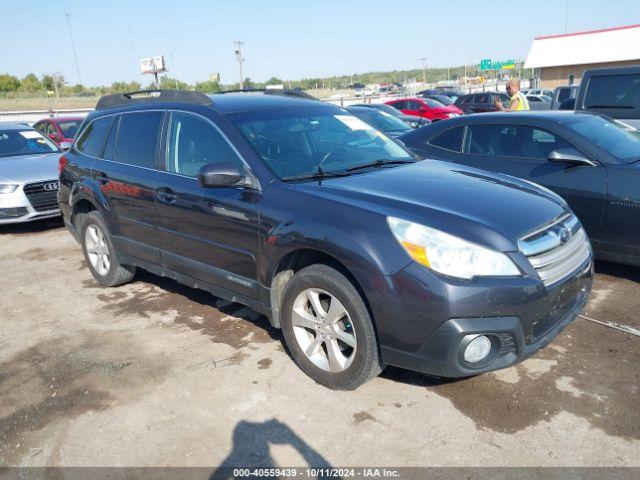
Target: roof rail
{"points": [[274, 91], [143, 96]]}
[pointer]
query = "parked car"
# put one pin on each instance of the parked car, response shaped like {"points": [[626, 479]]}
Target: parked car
{"points": [[443, 99], [28, 174], [412, 120], [614, 92], [387, 124], [59, 130], [481, 102], [562, 94], [537, 91], [539, 102], [425, 107], [593, 162], [363, 256]]}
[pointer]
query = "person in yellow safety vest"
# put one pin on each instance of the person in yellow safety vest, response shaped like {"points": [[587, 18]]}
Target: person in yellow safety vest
{"points": [[518, 100]]}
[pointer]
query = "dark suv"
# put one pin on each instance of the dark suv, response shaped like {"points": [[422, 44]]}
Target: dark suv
{"points": [[364, 256], [481, 102]]}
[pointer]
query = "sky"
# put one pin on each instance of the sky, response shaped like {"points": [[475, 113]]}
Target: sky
{"points": [[282, 38]]}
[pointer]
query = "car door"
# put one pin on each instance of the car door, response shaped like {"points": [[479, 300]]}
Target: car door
{"points": [[125, 174], [523, 151], [621, 224], [209, 234]]}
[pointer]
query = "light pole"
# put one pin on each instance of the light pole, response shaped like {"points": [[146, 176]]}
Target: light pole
{"points": [[67, 14], [240, 60], [424, 69]]}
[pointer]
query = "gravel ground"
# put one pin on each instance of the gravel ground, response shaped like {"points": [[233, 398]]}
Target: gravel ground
{"points": [[156, 374]]}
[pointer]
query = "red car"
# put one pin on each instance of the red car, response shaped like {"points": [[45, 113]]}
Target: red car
{"points": [[425, 107], [59, 130]]}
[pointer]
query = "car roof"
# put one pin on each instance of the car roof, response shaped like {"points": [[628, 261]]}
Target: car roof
{"points": [[64, 119], [15, 126], [514, 117], [235, 102]]}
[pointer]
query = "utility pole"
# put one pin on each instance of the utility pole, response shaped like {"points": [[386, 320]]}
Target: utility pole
{"points": [[424, 69], [240, 60], [67, 13]]}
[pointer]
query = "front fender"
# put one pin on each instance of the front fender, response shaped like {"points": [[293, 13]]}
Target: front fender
{"points": [[369, 257]]}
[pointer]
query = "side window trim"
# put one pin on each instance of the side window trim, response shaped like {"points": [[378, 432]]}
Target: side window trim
{"points": [[166, 147]]}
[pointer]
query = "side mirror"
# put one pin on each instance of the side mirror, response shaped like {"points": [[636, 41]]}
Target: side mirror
{"points": [[64, 146], [570, 156], [221, 175]]}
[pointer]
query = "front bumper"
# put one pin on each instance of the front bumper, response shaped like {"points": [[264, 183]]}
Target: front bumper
{"points": [[16, 208], [427, 325]]}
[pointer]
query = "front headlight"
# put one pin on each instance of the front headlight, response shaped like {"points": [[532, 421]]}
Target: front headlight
{"points": [[7, 188], [448, 254], [414, 124]]}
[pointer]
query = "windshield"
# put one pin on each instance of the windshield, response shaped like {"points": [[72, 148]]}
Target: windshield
{"points": [[300, 142], [444, 100], [619, 139], [69, 127], [388, 109], [380, 120], [24, 142], [433, 103]]}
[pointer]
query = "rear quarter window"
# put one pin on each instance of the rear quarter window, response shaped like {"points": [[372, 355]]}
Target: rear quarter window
{"points": [[91, 141], [450, 139]]}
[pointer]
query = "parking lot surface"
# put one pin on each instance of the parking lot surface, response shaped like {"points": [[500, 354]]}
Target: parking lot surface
{"points": [[156, 374]]}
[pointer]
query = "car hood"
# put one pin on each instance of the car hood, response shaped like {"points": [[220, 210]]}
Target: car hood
{"points": [[29, 168], [490, 209]]}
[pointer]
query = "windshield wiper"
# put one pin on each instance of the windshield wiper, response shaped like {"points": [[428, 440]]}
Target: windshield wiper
{"points": [[318, 174], [378, 163]]}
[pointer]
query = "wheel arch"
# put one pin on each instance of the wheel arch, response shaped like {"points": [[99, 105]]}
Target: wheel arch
{"points": [[297, 259]]}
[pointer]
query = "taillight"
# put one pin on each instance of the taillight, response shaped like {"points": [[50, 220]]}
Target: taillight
{"points": [[62, 162]]}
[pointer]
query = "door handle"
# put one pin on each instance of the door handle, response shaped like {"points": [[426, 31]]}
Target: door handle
{"points": [[166, 195]]}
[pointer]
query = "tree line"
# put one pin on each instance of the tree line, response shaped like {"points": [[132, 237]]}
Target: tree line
{"points": [[56, 85]]}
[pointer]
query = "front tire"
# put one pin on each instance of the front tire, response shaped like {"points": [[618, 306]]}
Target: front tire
{"points": [[99, 252], [328, 329]]}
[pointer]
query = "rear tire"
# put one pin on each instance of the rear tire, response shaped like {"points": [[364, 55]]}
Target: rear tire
{"points": [[328, 329], [99, 252]]}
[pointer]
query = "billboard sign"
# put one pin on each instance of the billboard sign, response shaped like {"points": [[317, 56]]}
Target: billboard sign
{"points": [[153, 65]]}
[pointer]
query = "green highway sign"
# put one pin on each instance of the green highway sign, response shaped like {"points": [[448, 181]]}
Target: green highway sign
{"points": [[497, 65], [485, 64]]}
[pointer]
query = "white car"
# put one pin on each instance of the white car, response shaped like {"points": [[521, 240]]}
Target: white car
{"points": [[28, 174]]}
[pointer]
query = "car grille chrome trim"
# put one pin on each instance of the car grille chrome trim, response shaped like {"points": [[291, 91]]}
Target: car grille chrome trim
{"points": [[558, 250], [43, 196]]}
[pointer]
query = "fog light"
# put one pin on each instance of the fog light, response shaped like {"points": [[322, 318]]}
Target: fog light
{"points": [[477, 349]]}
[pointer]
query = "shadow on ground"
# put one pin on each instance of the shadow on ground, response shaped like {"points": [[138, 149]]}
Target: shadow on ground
{"points": [[38, 226], [251, 448]]}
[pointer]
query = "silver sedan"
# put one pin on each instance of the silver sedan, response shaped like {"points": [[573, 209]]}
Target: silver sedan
{"points": [[28, 174]]}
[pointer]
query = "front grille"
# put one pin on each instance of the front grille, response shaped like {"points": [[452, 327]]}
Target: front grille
{"points": [[557, 251], [42, 196]]}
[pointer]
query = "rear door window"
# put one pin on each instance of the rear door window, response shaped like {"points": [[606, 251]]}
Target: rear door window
{"points": [[137, 141], [91, 142]]}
